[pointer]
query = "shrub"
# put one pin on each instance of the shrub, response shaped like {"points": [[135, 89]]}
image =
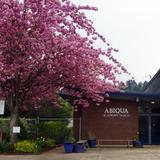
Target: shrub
{"points": [[26, 147], [4, 128], [24, 133], [50, 143], [69, 139], [41, 143], [54, 129], [4, 147]]}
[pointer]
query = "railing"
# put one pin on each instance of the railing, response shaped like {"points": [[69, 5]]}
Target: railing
{"points": [[128, 142]]}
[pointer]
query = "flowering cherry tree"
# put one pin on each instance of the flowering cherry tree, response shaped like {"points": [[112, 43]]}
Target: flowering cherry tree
{"points": [[42, 50]]}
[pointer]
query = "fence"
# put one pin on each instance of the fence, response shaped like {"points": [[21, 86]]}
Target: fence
{"points": [[58, 128]]}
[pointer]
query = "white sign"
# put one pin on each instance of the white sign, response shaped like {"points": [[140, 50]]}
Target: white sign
{"points": [[16, 129], [116, 112], [2, 102]]}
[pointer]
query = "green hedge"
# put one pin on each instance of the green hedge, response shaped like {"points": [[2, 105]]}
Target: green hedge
{"points": [[25, 130], [36, 146], [50, 143], [4, 127], [24, 133], [57, 130], [54, 130], [4, 147], [26, 147]]}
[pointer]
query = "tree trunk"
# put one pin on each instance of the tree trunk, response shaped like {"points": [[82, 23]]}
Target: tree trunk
{"points": [[13, 122]]}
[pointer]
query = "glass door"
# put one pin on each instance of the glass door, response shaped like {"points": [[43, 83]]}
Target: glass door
{"points": [[144, 129], [155, 129]]}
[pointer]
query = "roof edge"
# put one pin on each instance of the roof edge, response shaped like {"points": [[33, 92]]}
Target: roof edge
{"points": [[151, 81]]}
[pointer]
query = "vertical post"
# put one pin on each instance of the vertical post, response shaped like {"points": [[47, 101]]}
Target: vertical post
{"points": [[128, 143], [149, 129], [1, 136], [80, 128], [37, 122]]}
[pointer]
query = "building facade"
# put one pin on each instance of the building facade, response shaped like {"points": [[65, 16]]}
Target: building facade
{"points": [[122, 117], [114, 121]]}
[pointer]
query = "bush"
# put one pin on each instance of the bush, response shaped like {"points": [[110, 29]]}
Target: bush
{"points": [[41, 143], [4, 128], [24, 133], [26, 147], [50, 143], [54, 130], [4, 147]]}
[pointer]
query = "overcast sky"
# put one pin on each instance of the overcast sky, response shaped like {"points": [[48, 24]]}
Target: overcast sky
{"points": [[132, 26]]}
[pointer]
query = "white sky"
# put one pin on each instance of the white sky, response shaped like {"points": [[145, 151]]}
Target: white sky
{"points": [[132, 26]]}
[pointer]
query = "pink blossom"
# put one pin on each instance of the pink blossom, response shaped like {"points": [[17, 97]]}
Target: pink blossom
{"points": [[41, 51]]}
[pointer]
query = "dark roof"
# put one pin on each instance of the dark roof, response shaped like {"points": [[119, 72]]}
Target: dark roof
{"points": [[154, 84], [151, 92], [133, 96]]}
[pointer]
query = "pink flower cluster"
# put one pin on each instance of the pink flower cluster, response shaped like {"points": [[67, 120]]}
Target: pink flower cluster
{"points": [[41, 51]]}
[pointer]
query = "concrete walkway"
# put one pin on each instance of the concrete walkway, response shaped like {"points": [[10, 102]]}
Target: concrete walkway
{"points": [[147, 153]]}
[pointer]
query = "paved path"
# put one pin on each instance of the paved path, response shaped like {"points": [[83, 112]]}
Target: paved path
{"points": [[147, 153]]}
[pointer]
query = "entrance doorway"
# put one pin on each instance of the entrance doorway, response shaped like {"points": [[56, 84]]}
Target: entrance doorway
{"points": [[149, 129], [144, 129], [155, 130]]}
